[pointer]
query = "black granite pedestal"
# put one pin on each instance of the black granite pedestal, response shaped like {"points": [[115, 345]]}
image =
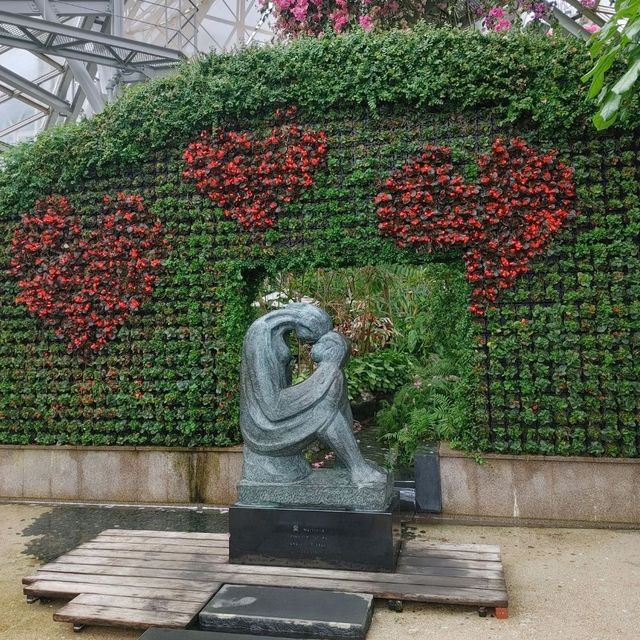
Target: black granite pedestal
{"points": [[323, 538]]}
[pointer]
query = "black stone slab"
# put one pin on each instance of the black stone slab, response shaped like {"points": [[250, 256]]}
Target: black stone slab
{"points": [[287, 612], [428, 489], [352, 540], [189, 634]]}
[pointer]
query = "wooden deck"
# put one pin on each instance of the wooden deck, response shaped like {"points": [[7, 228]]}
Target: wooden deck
{"points": [[146, 579]]}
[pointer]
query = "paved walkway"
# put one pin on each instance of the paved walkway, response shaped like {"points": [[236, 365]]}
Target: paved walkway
{"points": [[573, 584]]}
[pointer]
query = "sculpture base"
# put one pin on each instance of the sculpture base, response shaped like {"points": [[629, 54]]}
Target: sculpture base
{"points": [[329, 488], [327, 539]]}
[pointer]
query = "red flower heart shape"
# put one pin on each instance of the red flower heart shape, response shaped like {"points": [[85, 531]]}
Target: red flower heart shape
{"points": [[84, 284], [520, 200], [250, 178]]}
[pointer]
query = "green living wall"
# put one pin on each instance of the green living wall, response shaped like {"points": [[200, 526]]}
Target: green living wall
{"points": [[557, 368]]}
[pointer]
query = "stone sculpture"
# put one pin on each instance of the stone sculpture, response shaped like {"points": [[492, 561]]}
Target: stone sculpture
{"points": [[279, 420]]}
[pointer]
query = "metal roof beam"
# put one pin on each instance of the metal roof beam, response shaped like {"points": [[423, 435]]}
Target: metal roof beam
{"points": [[65, 78], [14, 94], [62, 7], [38, 81], [51, 38], [34, 91], [62, 89], [49, 60], [94, 95], [588, 13], [569, 25], [23, 123]]}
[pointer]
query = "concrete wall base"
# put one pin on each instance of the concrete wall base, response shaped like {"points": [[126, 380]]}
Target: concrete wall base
{"points": [[121, 474], [550, 488], [516, 488]]}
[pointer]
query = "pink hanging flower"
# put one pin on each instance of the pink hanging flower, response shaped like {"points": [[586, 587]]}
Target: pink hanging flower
{"points": [[294, 18], [502, 25], [365, 22], [496, 12], [300, 10], [497, 19], [340, 17]]}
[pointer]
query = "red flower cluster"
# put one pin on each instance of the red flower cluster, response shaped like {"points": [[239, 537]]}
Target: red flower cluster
{"points": [[251, 178], [520, 200], [85, 284]]}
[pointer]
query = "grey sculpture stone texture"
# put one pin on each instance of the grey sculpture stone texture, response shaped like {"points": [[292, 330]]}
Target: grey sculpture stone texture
{"points": [[280, 420]]}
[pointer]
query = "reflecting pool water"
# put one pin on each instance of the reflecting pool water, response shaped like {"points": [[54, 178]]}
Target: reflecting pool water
{"points": [[64, 527]]}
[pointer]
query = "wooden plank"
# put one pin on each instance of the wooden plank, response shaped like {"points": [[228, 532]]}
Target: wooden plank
{"points": [[212, 567], [413, 565], [182, 535], [144, 604], [142, 560], [149, 555], [412, 546], [460, 555], [53, 589], [161, 543], [118, 617], [409, 546], [388, 591], [161, 583], [127, 546], [277, 574], [212, 541], [411, 572]]}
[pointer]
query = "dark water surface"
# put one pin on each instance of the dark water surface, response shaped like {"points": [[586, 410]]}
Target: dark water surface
{"points": [[371, 445], [66, 526]]}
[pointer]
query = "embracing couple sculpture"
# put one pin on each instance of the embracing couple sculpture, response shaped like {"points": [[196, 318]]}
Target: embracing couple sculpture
{"points": [[279, 420]]}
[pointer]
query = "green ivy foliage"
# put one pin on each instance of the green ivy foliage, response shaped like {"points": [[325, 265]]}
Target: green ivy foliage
{"points": [[555, 367]]}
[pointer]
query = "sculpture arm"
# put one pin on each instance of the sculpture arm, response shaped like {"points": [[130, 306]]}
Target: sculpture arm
{"points": [[300, 398]]}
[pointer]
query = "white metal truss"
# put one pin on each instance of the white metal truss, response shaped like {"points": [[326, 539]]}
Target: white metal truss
{"points": [[83, 50], [234, 23], [54, 38], [30, 92], [61, 7]]}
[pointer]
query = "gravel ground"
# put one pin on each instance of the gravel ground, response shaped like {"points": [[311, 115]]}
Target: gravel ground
{"points": [[574, 584]]}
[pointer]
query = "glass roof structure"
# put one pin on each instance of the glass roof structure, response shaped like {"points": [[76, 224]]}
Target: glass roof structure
{"points": [[64, 59]]}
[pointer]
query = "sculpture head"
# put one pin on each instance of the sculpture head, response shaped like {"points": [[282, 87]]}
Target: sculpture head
{"points": [[331, 347], [310, 322]]}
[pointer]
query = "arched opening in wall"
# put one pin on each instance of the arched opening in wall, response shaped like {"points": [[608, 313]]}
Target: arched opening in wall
{"points": [[412, 350]]}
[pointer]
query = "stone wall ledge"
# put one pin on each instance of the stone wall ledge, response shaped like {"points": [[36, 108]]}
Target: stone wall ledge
{"points": [[79, 447], [605, 491], [446, 451], [156, 475]]}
